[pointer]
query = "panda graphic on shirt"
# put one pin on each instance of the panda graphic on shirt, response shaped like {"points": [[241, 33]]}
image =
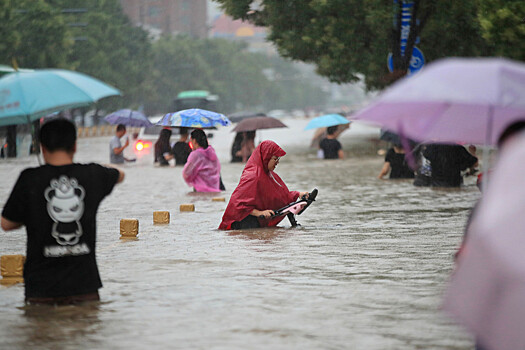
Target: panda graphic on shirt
{"points": [[65, 206]]}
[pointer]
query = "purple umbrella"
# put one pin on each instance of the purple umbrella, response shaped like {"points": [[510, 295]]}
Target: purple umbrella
{"points": [[453, 100], [487, 291], [128, 117]]}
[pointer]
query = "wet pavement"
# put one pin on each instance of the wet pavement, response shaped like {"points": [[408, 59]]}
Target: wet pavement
{"points": [[366, 270]]}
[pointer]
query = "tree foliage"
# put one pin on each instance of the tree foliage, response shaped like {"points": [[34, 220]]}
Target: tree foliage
{"points": [[225, 68], [503, 27], [348, 39], [96, 38], [33, 33]]}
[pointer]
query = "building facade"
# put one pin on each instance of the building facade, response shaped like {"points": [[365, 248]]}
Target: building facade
{"points": [[169, 16]]}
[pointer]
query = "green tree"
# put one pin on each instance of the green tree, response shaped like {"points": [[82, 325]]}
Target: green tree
{"points": [[110, 48], [503, 27], [176, 67], [228, 70], [348, 39], [34, 34]]}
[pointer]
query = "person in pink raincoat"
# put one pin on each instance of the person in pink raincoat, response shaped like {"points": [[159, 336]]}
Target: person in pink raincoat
{"points": [[202, 170]]}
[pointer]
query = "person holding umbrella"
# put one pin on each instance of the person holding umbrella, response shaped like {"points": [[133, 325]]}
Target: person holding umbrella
{"points": [[236, 148], [163, 148], [181, 150], [116, 150], [330, 146], [395, 164], [202, 170], [260, 191]]}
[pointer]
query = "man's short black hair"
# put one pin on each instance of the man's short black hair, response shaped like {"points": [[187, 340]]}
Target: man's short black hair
{"points": [[331, 130], [511, 130], [121, 127], [58, 135]]}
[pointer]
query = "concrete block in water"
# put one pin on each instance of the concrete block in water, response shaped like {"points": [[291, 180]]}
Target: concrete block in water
{"points": [[12, 269], [129, 228], [161, 217], [187, 207]]}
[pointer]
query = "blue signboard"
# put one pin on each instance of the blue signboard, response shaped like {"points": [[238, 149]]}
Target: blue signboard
{"points": [[406, 17], [416, 62]]}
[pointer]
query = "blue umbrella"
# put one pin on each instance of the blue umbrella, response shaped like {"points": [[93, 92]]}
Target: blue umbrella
{"points": [[326, 121], [27, 96], [194, 118], [128, 117]]}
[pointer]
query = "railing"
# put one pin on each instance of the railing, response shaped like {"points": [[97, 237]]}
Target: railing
{"points": [[101, 130]]}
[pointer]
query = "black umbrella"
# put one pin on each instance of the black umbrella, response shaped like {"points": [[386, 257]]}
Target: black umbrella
{"points": [[257, 123], [238, 116]]}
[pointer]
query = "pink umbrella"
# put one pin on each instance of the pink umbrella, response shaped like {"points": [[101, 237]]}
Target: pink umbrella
{"points": [[468, 100], [487, 291]]}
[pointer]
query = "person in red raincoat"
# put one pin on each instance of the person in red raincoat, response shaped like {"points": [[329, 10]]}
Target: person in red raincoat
{"points": [[260, 191]]}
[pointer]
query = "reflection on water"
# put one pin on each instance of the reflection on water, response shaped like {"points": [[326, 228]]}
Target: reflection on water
{"points": [[58, 326], [365, 270]]}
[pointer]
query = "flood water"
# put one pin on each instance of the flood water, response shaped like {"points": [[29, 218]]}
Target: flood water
{"points": [[366, 270]]}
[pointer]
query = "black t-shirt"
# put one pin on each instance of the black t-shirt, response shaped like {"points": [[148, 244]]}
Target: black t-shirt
{"points": [[181, 151], [399, 168], [447, 162], [58, 206], [330, 148]]}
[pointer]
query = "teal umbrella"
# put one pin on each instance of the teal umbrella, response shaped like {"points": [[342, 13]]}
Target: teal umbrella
{"points": [[326, 121], [27, 96]]}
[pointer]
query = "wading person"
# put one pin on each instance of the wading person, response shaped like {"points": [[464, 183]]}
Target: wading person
{"points": [[116, 150], [163, 148], [330, 146], [447, 162], [396, 164], [181, 150], [202, 170], [260, 191], [57, 203]]}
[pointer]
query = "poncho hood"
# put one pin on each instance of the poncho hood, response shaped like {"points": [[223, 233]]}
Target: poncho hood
{"points": [[202, 170]]}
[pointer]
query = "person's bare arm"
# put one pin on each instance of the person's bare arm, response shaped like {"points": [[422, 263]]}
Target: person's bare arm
{"points": [[121, 175], [384, 171], [341, 154], [265, 213], [119, 150], [8, 225]]}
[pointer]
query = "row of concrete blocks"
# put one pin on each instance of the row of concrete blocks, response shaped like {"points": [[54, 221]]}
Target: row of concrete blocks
{"points": [[12, 266], [129, 228]]}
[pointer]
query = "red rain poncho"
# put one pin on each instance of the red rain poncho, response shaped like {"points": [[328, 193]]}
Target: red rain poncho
{"points": [[258, 188]]}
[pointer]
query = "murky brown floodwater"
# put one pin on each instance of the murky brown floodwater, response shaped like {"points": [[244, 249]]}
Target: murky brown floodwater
{"points": [[366, 270]]}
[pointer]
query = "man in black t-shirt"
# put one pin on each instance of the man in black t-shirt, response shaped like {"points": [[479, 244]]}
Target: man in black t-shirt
{"points": [[181, 149], [57, 203], [332, 148], [447, 162]]}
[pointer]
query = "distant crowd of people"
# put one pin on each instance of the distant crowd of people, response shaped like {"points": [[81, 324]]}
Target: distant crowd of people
{"points": [[438, 165], [201, 165]]}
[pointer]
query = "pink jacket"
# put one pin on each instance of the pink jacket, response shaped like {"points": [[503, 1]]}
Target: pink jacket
{"points": [[202, 170]]}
